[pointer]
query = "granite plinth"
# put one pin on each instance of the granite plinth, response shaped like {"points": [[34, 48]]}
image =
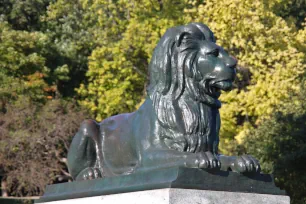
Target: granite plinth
{"points": [[180, 196], [171, 178]]}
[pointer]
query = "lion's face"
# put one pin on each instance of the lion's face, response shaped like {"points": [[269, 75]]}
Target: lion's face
{"points": [[217, 69], [187, 59]]}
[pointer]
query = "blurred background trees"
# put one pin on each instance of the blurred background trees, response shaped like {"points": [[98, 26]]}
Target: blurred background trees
{"points": [[56, 52], [34, 143], [280, 144]]}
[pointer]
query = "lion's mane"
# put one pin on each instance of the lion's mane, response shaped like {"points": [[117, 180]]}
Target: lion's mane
{"points": [[176, 88]]}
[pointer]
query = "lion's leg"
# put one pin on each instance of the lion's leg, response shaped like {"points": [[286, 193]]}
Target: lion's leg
{"points": [[156, 159], [83, 156]]}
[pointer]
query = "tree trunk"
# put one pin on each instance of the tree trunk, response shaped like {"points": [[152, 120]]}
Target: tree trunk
{"points": [[3, 188]]}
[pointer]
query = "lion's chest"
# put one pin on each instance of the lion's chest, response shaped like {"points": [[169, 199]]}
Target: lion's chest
{"points": [[209, 128], [210, 119], [201, 128]]}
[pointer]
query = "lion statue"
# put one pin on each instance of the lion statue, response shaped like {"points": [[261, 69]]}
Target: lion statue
{"points": [[179, 122]]}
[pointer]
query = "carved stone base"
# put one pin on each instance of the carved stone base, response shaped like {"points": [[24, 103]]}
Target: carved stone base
{"points": [[173, 185], [180, 196]]}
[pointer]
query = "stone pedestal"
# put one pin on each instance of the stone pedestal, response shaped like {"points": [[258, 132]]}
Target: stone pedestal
{"points": [[179, 196], [173, 185]]}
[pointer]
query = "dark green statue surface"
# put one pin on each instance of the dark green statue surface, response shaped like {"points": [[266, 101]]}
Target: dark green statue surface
{"points": [[177, 125]]}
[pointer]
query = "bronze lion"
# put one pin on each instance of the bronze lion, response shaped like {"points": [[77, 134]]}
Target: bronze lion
{"points": [[179, 122]]}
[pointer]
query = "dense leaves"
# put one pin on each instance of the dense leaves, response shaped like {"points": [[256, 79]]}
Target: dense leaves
{"points": [[280, 145], [34, 144], [118, 67], [23, 15], [71, 32], [22, 64], [36, 126], [270, 61], [97, 51]]}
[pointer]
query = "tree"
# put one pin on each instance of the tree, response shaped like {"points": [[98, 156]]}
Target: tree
{"points": [[22, 66], [280, 145], [70, 28], [293, 11], [67, 38], [35, 131], [129, 31], [265, 45], [44, 49], [23, 15], [269, 49], [34, 143]]}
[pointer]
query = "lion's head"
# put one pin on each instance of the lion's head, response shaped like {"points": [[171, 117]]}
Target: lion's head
{"points": [[188, 69]]}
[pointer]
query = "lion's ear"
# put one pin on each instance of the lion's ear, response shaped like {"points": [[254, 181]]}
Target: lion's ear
{"points": [[179, 38]]}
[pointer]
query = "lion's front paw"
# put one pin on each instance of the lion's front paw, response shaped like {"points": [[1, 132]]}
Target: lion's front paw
{"points": [[246, 164], [208, 160], [89, 174]]}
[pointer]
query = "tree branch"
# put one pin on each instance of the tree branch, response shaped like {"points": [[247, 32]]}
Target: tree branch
{"points": [[140, 72]]}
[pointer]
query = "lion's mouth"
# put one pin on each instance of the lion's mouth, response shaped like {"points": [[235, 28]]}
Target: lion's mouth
{"points": [[216, 87]]}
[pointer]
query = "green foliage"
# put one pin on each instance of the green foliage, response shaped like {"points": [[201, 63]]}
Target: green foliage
{"points": [[263, 42], [280, 145], [265, 45], [70, 29], [293, 11], [98, 51], [22, 67], [34, 132], [25, 14], [118, 67]]}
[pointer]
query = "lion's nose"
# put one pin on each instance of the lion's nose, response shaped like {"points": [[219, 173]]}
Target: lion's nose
{"points": [[231, 62]]}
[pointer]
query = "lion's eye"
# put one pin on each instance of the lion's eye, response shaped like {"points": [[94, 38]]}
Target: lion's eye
{"points": [[214, 53]]}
